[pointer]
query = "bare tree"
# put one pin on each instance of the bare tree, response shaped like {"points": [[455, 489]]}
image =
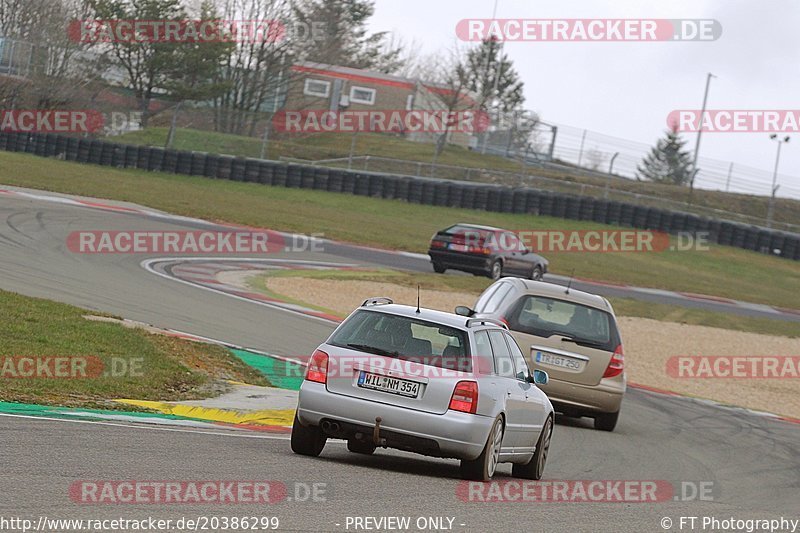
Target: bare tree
{"points": [[256, 71], [595, 159], [51, 69]]}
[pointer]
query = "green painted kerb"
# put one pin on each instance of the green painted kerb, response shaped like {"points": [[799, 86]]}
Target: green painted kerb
{"points": [[279, 373]]}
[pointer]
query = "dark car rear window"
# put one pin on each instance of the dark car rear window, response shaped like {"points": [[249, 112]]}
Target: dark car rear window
{"points": [[405, 338], [544, 317]]}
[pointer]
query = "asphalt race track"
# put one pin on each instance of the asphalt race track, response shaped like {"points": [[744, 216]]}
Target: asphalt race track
{"points": [[752, 461]]}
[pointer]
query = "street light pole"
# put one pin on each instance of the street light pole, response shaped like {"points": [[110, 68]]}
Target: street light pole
{"points": [[485, 76], [775, 187], [699, 135]]}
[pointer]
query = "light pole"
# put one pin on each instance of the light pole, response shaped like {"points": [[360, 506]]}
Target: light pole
{"points": [[771, 209], [486, 75], [699, 135], [610, 173]]}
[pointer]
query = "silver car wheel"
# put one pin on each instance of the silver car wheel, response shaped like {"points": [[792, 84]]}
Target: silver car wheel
{"points": [[542, 459], [497, 442]]}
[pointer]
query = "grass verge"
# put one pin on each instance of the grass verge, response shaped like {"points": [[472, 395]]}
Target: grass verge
{"points": [[474, 286], [720, 271], [135, 364], [418, 156]]}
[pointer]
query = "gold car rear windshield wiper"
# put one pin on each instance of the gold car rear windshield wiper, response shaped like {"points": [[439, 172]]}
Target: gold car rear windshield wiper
{"points": [[585, 342]]}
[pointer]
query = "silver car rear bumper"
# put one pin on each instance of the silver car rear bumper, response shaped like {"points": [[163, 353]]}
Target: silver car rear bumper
{"points": [[459, 435]]}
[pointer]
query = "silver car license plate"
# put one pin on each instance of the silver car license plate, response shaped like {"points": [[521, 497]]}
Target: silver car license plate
{"points": [[567, 363], [403, 387]]}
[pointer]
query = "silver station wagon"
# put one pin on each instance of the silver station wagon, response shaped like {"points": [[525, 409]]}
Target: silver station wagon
{"points": [[429, 382]]}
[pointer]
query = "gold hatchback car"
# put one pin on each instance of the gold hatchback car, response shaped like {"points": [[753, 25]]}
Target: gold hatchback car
{"points": [[572, 335]]}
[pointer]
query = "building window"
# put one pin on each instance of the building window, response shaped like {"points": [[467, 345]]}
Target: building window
{"points": [[319, 88], [362, 95]]}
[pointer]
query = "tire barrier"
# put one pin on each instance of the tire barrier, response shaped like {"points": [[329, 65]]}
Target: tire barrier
{"points": [[640, 214], [402, 188], [532, 203], [198, 167], [376, 184], [237, 169], [307, 177], [225, 167], [251, 170], [266, 172], [107, 154], [170, 163], [120, 152], [293, 176], [348, 183], [184, 163], [361, 184], [739, 232], [212, 166], [155, 158], [572, 207], [62, 144], [412, 189], [390, 187]]}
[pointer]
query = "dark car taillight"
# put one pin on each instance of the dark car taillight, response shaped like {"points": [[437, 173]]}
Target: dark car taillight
{"points": [[617, 364]]}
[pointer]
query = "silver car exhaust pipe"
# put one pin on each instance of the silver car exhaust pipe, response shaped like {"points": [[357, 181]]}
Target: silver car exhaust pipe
{"points": [[330, 427]]}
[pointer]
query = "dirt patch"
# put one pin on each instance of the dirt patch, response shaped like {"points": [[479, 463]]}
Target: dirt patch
{"points": [[649, 344]]}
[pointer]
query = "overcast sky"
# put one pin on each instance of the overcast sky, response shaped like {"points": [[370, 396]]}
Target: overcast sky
{"points": [[627, 89]]}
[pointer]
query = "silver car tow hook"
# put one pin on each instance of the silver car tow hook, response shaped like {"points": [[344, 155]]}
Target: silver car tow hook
{"points": [[376, 433]]}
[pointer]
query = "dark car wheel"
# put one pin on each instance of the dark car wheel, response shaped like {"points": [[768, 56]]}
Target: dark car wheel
{"points": [[496, 272], [307, 440], [536, 274], [439, 269]]}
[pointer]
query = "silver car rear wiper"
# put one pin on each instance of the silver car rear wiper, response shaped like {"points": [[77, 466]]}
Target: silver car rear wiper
{"points": [[372, 349]]}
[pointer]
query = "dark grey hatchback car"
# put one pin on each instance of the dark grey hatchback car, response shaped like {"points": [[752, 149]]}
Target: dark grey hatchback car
{"points": [[484, 251]]}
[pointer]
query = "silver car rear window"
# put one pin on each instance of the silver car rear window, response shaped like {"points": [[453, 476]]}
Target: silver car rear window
{"points": [[405, 338]]}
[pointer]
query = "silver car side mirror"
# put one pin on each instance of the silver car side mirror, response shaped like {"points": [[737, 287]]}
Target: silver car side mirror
{"points": [[540, 377]]}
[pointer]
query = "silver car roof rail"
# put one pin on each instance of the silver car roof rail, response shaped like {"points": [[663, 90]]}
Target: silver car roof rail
{"points": [[485, 321], [378, 300]]}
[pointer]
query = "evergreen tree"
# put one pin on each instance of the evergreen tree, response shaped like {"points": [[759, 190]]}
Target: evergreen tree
{"points": [[339, 36], [501, 93], [667, 162]]}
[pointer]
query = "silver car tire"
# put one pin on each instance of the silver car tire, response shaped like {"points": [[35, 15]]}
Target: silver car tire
{"points": [[535, 467], [307, 440], [484, 467]]}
